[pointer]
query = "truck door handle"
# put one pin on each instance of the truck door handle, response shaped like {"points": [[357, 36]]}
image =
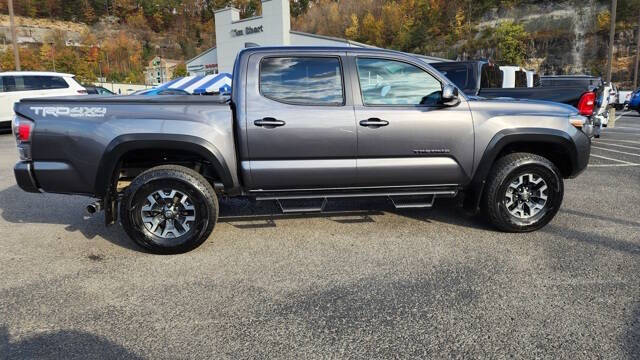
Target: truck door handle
{"points": [[374, 122], [269, 122]]}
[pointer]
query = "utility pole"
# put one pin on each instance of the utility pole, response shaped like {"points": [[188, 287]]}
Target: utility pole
{"points": [[612, 33], [635, 74], [13, 36]]}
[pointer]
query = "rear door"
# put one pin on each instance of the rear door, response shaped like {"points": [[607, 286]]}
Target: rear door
{"points": [[405, 136], [300, 124]]}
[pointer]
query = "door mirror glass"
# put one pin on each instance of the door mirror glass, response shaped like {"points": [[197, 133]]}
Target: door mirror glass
{"points": [[450, 95]]}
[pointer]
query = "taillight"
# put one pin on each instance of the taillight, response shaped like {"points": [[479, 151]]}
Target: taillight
{"points": [[587, 104], [22, 130]]}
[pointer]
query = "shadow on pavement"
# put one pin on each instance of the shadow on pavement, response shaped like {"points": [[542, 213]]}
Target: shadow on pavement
{"points": [[600, 217], [245, 214], [63, 344], [19, 207], [594, 239]]}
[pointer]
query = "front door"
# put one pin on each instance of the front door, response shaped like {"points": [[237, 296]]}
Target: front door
{"points": [[405, 135], [301, 130]]}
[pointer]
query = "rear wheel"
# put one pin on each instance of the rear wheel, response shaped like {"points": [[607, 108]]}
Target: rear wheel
{"points": [[524, 192], [169, 209]]}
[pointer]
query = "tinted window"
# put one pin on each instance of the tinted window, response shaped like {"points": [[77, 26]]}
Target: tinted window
{"points": [[31, 82], [458, 74], [491, 77], [389, 82], [521, 79], [304, 81]]}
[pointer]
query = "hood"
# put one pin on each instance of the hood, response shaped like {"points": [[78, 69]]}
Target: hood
{"points": [[511, 106]]}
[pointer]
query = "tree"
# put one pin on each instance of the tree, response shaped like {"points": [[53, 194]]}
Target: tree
{"points": [[180, 71], [510, 43], [298, 7]]}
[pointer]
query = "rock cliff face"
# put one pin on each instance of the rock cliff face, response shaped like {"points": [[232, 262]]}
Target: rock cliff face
{"points": [[565, 38]]}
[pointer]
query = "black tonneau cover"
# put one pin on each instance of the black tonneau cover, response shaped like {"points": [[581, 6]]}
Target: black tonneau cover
{"points": [[130, 99]]}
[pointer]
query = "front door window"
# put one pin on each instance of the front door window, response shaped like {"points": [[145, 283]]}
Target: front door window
{"points": [[390, 82]]}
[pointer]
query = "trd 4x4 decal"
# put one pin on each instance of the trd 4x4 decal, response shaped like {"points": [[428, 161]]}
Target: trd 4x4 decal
{"points": [[77, 111]]}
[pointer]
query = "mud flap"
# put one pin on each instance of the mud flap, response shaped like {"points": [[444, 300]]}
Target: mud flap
{"points": [[110, 209]]}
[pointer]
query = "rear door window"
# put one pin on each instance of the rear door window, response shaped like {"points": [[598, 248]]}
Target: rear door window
{"points": [[302, 80]]}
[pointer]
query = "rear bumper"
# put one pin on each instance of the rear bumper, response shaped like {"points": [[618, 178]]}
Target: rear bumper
{"points": [[23, 171], [5, 126]]}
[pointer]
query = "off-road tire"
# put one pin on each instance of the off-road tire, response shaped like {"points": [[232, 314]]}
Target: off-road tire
{"points": [[509, 168], [201, 197]]}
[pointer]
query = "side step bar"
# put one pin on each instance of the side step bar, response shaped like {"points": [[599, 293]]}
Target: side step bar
{"points": [[311, 201]]}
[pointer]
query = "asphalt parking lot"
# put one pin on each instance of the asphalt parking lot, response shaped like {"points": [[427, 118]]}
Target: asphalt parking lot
{"points": [[364, 282]]}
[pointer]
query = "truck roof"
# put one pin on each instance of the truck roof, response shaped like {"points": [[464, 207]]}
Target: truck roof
{"points": [[286, 49]]}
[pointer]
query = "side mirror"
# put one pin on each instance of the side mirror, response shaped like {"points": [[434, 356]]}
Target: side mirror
{"points": [[450, 95]]}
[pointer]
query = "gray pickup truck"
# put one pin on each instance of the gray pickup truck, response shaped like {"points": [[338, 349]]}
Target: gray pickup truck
{"points": [[303, 125]]}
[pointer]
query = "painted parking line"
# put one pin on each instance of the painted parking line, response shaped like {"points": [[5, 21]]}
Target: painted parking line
{"points": [[621, 115], [618, 145], [622, 162], [620, 140], [613, 165], [625, 141], [615, 151]]}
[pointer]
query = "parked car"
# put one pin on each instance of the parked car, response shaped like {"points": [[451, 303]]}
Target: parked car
{"points": [[17, 85], [484, 79], [624, 96], [634, 101], [98, 90], [310, 123], [159, 91]]}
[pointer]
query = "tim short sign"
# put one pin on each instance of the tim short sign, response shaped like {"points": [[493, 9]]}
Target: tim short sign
{"points": [[247, 31]]}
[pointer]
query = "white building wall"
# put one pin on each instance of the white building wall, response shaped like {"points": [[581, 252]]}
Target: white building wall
{"points": [[232, 34], [204, 64], [273, 28]]}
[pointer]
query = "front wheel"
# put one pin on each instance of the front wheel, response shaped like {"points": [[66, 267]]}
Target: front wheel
{"points": [[169, 209], [524, 192]]}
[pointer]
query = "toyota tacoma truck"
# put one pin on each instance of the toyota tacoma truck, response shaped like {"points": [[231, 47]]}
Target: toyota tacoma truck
{"points": [[302, 126]]}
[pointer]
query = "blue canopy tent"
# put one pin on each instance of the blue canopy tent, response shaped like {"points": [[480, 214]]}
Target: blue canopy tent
{"points": [[197, 85]]}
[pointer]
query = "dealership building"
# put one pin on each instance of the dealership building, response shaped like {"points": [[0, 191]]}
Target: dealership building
{"points": [[272, 28]]}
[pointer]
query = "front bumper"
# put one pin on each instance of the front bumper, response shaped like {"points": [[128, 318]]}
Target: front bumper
{"points": [[23, 171], [583, 151]]}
